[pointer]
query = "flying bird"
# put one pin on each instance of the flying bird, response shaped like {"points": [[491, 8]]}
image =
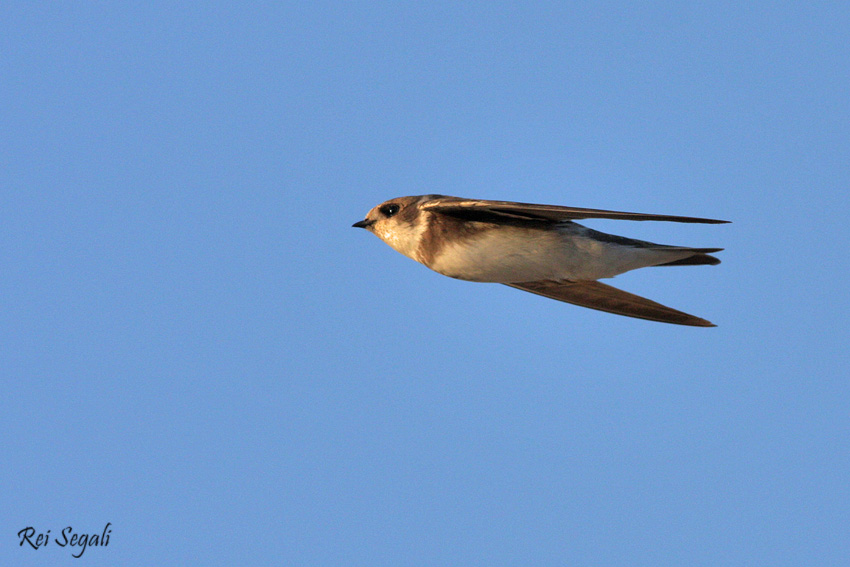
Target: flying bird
{"points": [[535, 248]]}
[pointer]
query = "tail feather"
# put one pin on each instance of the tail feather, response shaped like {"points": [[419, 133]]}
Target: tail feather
{"points": [[701, 257], [695, 260]]}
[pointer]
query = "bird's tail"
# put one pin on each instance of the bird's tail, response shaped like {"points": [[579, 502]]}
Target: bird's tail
{"points": [[701, 257]]}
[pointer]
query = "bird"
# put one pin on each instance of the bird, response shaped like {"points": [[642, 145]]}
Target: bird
{"points": [[535, 248]]}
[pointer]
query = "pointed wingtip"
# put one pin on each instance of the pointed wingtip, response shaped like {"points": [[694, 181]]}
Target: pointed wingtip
{"points": [[603, 297]]}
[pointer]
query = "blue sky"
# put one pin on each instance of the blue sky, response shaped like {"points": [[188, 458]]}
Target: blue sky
{"points": [[197, 348]]}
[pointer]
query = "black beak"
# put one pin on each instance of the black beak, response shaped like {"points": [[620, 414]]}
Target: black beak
{"points": [[365, 223]]}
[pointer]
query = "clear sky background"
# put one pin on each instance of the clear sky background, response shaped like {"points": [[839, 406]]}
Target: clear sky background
{"points": [[196, 347]]}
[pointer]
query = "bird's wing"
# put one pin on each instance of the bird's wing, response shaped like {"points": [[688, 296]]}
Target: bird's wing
{"points": [[603, 297], [496, 211]]}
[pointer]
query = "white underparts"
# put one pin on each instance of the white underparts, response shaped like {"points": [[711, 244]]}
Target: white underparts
{"points": [[512, 254]]}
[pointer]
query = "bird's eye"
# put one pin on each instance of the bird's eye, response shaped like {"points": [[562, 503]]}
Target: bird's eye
{"points": [[389, 210]]}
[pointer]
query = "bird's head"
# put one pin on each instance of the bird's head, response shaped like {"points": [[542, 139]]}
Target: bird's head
{"points": [[399, 222]]}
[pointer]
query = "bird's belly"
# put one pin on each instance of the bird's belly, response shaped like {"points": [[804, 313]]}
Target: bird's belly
{"points": [[506, 256]]}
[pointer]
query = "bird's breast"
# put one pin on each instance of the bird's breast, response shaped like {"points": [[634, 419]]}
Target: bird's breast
{"points": [[509, 254]]}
